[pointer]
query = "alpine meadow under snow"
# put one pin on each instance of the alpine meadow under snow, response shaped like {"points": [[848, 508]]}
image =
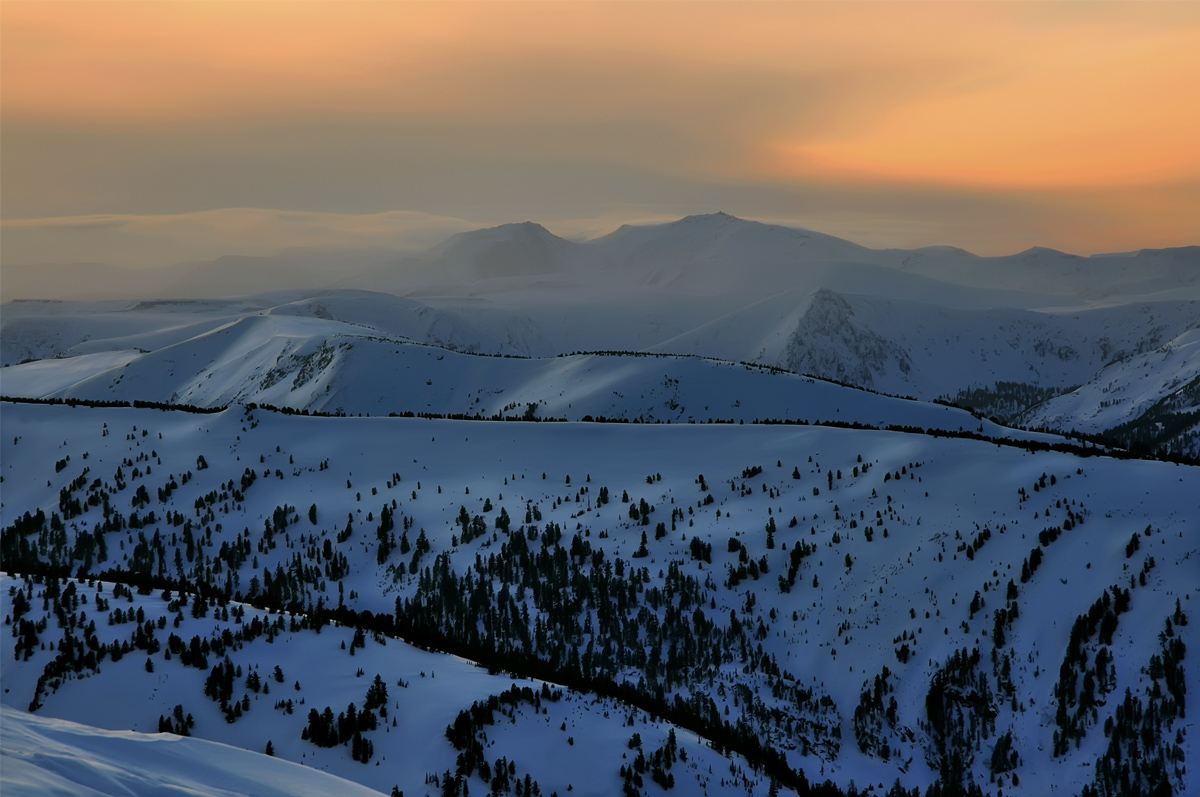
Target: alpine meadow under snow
{"points": [[708, 507]]}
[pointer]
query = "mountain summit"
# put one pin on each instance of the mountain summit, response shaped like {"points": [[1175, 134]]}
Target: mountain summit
{"points": [[510, 250]]}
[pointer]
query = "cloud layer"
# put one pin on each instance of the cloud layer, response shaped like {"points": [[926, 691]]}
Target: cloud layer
{"points": [[144, 241]]}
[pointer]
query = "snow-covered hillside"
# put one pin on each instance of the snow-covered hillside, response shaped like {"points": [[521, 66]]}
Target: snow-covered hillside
{"points": [[861, 606], [296, 355], [98, 730], [1125, 390], [927, 350]]}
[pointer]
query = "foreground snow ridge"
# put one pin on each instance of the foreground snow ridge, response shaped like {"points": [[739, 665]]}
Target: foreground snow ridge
{"points": [[42, 756]]}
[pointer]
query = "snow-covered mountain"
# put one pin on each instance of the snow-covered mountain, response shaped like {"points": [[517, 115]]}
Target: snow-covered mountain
{"points": [[1152, 397], [298, 355], [1146, 273], [425, 605], [931, 323]]}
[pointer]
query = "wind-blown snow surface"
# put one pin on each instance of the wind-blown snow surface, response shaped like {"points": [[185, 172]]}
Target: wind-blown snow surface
{"points": [[891, 517], [43, 756]]}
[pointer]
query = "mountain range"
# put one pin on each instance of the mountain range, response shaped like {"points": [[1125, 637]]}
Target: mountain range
{"points": [[528, 516], [1103, 345]]}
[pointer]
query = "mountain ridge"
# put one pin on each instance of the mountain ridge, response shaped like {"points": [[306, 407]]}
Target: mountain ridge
{"points": [[934, 322]]}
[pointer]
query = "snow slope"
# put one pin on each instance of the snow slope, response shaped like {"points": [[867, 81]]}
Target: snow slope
{"points": [[298, 355], [927, 350], [1126, 389], [891, 517], [97, 731]]}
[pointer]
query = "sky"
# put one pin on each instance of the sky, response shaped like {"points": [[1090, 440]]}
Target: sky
{"points": [[142, 134]]}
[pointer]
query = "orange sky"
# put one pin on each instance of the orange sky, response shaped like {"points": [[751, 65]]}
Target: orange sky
{"points": [[1071, 124]]}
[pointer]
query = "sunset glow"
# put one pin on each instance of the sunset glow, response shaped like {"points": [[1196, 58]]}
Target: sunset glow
{"points": [[1063, 107]]}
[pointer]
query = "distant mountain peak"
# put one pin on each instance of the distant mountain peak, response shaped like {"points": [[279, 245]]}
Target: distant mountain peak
{"points": [[522, 231], [526, 226], [516, 227], [720, 217], [1044, 251], [508, 250]]}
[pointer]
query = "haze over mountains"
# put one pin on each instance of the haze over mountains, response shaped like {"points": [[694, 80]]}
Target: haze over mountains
{"points": [[697, 254], [1113, 334], [318, 479]]}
